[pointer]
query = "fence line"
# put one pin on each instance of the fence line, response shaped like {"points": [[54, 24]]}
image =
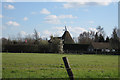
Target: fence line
{"points": [[43, 68], [29, 70], [97, 65], [31, 67]]}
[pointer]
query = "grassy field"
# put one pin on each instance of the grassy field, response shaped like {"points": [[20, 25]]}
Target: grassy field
{"points": [[36, 65]]}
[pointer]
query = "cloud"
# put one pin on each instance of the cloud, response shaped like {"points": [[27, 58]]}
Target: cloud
{"points": [[12, 23], [61, 0], [46, 34], [81, 4], [23, 33], [93, 29], [84, 0], [77, 30], [67, 16], [45, 11], [1, 16], [8, 0], [74, 31], [58, 30], [68, 22], [53, 19], [9, 7], [71, 29], [25, 18], [55, 31]]}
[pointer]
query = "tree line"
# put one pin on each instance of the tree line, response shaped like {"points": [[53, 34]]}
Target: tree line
{"points": [[99, 36], [30, 44], [36, 44]]}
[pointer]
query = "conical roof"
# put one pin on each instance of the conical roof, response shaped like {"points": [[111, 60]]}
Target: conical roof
{"points": [[67, 38]]}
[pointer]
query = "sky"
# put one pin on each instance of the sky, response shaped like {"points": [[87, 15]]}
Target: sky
{"points": [[50, 18]]}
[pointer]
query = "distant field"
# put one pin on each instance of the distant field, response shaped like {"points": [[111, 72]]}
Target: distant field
{"points": [[36, 65]]}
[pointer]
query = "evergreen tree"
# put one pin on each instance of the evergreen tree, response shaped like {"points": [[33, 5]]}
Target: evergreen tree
{"points": [[96, 37], [101, 38], [107, 39], [115, 39]]}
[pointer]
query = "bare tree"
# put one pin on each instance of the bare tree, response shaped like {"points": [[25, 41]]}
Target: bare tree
{"points": [[86, 37], [36, 36], [100, 31]]}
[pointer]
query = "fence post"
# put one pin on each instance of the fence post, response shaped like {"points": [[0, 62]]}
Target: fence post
{"points": [[67, 66]]}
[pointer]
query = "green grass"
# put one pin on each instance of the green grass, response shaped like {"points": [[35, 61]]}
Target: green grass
{"points": [[15, 65]]}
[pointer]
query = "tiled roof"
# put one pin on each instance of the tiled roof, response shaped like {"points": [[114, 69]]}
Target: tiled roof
{"points": [[67, 38], [101, 45]]}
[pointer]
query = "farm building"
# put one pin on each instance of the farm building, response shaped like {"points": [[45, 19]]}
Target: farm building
{"points": [[67, 45], [77, 48], [66, 37], [101, 47]]}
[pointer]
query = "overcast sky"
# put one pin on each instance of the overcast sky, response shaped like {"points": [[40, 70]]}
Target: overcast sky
{"points": [[51, 17]]}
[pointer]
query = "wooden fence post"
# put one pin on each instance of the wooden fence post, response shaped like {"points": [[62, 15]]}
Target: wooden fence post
{"points": [[67, 66]]}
